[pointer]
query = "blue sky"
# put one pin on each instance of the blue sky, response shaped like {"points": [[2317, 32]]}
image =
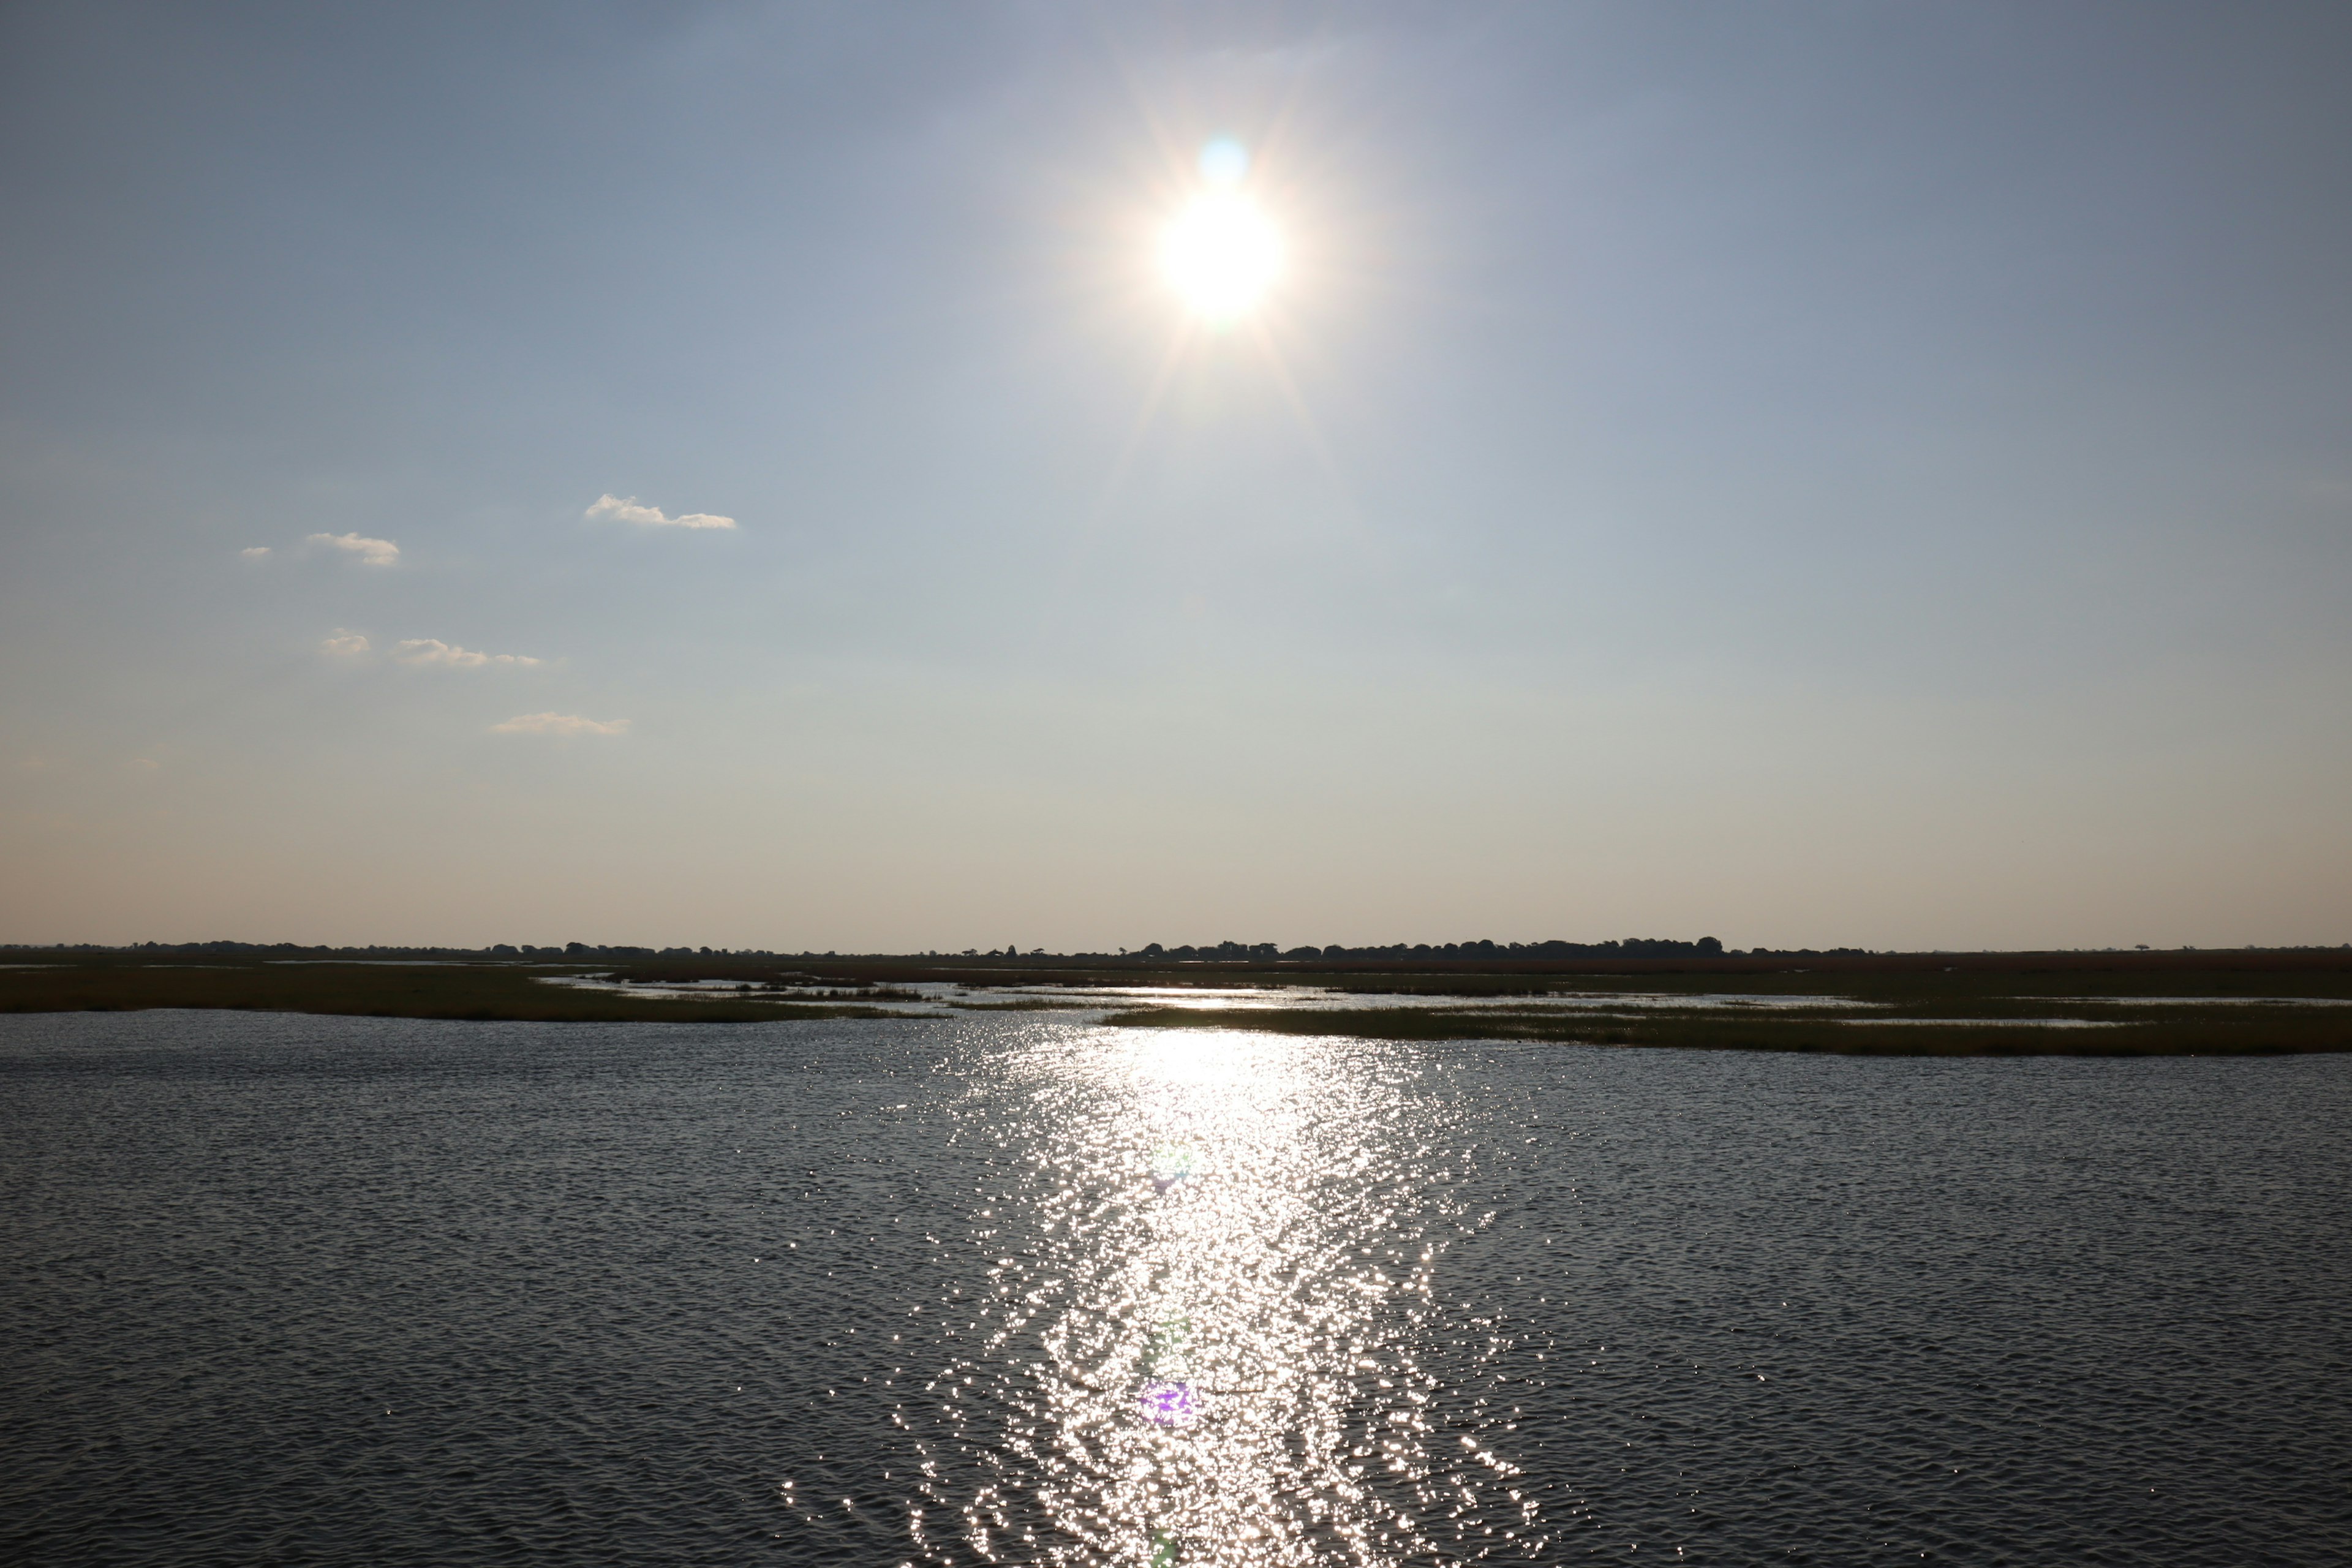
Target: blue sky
{"points": [[1806, 474]]}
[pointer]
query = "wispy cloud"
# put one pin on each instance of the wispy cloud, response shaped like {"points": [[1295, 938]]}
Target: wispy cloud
{"points": [[344, 644], [631, 510], [560, 724], [434, 652], [256, 552], [371, 551]]}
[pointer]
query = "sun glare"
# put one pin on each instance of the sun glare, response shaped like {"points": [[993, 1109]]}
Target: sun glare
{"points": [[1220, 255]]}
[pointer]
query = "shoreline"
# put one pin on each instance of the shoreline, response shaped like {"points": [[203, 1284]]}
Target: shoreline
{"points": [[2035, 1006]]}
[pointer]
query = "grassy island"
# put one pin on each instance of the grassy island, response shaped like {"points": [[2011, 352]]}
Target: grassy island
{"points": [[2138, 1003]]}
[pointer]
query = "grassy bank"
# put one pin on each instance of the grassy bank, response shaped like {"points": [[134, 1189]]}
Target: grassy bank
{"points": [[1919, 1004], [2114, 1030], [377, 990]]}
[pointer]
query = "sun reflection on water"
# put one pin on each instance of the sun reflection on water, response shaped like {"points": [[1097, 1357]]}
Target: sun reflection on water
{"points": [[1209, 1347]]}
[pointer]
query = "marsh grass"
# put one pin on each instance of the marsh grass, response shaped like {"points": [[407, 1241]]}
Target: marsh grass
{"points": [[2144, 1032], [380, 991], [1920, 1005]]}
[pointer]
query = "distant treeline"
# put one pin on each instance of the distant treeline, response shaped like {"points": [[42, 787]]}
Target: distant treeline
{"points": [[1154, 955], [1629, 947], [1153, 952]]}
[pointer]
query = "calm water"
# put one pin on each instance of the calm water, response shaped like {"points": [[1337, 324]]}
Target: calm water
{"points": [[1018, 1290]]}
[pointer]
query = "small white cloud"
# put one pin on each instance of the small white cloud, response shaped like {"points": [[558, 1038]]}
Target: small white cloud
{"points": [[434, 652], [629, 511], [344, 644], [371, 551], [145, 764], [560, 724], [256, 552]]}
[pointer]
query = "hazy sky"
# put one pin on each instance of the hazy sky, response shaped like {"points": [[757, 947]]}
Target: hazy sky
{"points": [[1807, 474]]}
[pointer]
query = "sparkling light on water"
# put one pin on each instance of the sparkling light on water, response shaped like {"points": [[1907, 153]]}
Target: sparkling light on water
{"points": [[1209, 1347]]}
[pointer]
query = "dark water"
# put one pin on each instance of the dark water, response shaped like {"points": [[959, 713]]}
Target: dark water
{"points": [[1016, 1290]]}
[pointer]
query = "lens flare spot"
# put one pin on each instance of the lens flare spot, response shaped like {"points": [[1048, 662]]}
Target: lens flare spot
{"points": [[1224, 162], [1169, 1404], [1170, 1164]]}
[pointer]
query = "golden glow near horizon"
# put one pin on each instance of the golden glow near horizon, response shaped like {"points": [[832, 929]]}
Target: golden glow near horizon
{"points": [[1221, 253]]}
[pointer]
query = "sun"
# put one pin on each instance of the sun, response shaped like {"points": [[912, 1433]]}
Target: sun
{"points": [[1221, 253]]}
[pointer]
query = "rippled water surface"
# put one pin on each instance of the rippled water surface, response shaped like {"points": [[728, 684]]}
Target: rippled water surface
{"points": [[1018, 1290]]}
